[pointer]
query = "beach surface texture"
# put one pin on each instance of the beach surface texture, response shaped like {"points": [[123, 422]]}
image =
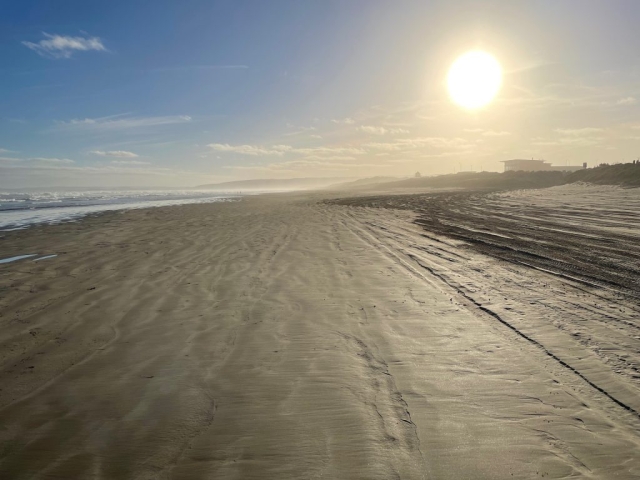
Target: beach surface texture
{"points": [[293, 336]]}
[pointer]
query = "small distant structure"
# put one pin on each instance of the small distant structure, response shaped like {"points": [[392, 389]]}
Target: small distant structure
{"points": [[521, 165], [417, 175], [518, 165]]}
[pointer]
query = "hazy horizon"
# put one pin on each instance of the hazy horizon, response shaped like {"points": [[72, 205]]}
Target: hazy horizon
{"points": [[62, 187], [178, 95]]}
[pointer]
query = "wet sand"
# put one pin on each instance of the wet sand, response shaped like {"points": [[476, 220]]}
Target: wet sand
{"points": [[283, 337]]}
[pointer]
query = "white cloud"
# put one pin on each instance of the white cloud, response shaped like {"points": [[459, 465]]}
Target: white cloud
{"points": [[250, 149], [581, 142], [300, 130], [53, 161], [324, 158], [129, 162], [39, 160], [578, 131], [493, 133], [573, 137], [372, 130], [329, 151], [303, 165], [346, 121], [115, 153], [66, 168], [381, 130], [627, 101], [421, 142], [346, 156], [120, 122], [58, 46], [280, 150], [569, 141], [487, 133]]}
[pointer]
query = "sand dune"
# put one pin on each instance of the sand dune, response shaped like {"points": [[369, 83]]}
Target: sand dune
{"points": [[279, 337]]}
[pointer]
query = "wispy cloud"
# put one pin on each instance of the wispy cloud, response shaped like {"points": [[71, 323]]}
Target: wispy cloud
{"points": [[184, 68], [114, 153], [37, 160], [627, 101], [578, 131], [496, 133], [105, 174], [531, 65], [53, 161], [381, 130], [569, 142], [303, 165], [341, 157], [346, 121], [487, 133], [571, 138], [59, 46], [129, 162], [250, 149], [346, 155], [454, 143], [299, 131], [120, 122], [330, 150]]}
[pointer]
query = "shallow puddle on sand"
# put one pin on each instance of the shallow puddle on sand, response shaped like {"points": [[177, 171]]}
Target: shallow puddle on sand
{"points": [[44, 258], [18, 257]]}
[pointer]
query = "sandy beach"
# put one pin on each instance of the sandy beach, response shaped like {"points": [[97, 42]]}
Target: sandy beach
{"points": [[284, 336]]}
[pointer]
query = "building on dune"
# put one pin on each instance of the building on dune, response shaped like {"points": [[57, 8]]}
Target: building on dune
{"points": [[519, 165]]}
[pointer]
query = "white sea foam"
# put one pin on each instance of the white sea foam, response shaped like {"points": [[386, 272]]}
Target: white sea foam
{"points": [[16, 258], [22, 209]]}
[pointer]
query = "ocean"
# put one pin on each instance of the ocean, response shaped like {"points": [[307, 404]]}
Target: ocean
{"points": [[22, 209]]}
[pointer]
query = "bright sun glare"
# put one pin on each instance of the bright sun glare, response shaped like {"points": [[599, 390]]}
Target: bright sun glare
{"points": [[474, 79]]}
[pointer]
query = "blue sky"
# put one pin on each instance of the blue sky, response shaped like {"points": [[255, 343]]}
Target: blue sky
{"points": [[165, 93]]}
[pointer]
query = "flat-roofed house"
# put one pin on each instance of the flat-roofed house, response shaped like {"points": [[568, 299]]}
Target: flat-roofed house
{"points": [[526, 165], [519, 165]]}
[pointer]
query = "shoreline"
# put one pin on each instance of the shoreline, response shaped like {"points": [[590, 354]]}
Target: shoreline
{"points": [[50, 214]]}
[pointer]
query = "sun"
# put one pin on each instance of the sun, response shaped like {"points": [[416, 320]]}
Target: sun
{"points": [[474, 79]]}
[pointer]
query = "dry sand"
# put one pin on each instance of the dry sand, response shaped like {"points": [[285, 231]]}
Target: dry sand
{"points": [[282, 337]]}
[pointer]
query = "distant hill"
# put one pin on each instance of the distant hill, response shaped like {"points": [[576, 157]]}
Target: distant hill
{"points": [[266, 184], [363, 182], [624, 174], [478, 180]]}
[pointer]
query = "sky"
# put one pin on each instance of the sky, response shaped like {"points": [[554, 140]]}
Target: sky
{"points": [[163, 93]]}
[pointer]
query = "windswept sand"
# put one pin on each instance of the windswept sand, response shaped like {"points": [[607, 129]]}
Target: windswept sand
{"points": [[282, 337]]}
